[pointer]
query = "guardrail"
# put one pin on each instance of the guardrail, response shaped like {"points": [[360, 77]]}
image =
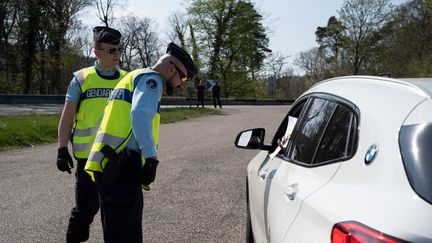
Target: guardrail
{"points": [[59, 99]]}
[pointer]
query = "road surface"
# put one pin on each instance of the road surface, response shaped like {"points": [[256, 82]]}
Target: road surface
{"points": [[199, 193]]}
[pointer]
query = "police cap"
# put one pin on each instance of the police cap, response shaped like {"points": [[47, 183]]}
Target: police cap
{"points": [[103, 34], [183, 57]]}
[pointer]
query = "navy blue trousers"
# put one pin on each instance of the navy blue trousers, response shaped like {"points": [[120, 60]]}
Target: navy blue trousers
{"points": [[218, 101], [86, 206], [122, 204]]}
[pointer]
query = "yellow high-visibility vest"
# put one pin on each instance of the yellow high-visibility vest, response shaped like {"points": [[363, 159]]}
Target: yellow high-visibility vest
{"points": [[116, 127], [94, 94]]}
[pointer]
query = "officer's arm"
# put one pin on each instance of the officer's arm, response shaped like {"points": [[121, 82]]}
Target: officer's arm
{"points": [[145, 104], [66, 122], [69, 111]]}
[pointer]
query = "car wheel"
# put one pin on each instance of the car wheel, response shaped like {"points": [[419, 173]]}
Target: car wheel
{"points": [[249, 234]]}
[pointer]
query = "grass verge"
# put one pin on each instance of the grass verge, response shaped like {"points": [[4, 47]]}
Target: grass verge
{"points": [[29, 130]]}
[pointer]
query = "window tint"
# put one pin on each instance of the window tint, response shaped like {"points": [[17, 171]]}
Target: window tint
{"points": [[326, 132], [415, 145], [310, 130], [334, 144]]}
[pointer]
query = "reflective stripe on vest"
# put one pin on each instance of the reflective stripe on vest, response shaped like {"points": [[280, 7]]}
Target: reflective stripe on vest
{"points": [[94, 94], [116, 126]]}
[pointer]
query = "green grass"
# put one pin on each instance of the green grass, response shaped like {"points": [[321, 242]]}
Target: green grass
{"points": [[176, 114], [29, 130]]}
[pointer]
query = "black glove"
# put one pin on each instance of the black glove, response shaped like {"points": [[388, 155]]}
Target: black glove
{"points": [[148, 172], [64, 160]]}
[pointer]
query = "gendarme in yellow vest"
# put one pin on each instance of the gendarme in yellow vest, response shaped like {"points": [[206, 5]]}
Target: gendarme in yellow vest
{"points": [[94, 94], [116, 127]]}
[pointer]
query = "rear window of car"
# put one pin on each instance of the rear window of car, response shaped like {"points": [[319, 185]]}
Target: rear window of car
{"points": [[415, 145], [336, 141], [325, 134], [305, 143]]}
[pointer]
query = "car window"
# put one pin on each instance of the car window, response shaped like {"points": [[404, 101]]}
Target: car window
{"points": [[336, 138], [310, 129], [295, 111], [415, 142], [326, 133]]}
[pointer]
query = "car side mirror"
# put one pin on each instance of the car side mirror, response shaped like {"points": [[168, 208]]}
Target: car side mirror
{"points": [[250, 139]]}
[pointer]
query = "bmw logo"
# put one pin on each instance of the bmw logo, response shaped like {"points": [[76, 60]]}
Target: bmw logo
{"points": [[371, 154]]}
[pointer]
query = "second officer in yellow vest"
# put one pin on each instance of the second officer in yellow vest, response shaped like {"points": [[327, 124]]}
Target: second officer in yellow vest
{"points": [[123, 158], [86, 97]]}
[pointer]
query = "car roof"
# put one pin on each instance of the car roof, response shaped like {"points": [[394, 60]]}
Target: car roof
{"points": [[421, 86], [423, 83]]}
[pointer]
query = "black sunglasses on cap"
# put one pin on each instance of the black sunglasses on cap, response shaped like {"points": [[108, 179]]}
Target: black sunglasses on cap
{"points": [[112, 50], [182, 76]]}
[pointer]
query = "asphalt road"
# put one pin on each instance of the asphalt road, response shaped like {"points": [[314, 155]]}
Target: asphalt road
{"points": [[21, 109], [199, 194]]}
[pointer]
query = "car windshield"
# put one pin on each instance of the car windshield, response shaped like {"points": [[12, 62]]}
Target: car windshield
{"points": [[415, 142]]}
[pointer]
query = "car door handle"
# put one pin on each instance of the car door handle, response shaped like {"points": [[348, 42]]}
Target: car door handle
{"points": [[291, 191], [262, 174]]}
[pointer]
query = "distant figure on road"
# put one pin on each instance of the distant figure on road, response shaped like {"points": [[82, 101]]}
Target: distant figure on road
{"points": [[83, 109], [200, 94], [216, 94]]}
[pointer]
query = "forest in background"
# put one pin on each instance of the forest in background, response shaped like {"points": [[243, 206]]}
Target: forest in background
{"points": [[43, 42]]}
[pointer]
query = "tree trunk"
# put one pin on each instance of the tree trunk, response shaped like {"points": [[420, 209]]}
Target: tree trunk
{"points": [[29, 56]]}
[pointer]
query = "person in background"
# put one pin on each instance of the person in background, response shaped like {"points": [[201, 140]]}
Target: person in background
{"points": [[216, 94], [82, 113], [123, 158], [200, 94]]}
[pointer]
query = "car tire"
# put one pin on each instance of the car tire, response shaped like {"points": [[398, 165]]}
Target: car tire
{"points": [[249, 233]]}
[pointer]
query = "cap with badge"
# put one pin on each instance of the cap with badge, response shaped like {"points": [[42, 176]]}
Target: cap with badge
{"points": [[103, 34], [183, 57]]}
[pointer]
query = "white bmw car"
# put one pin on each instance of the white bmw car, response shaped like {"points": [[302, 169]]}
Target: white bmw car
{"points": [[357, 166]]}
